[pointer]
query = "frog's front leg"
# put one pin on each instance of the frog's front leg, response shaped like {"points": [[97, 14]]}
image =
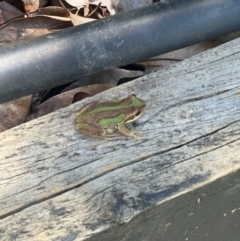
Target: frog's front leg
{"points": [[91, 129], [122, 129]]}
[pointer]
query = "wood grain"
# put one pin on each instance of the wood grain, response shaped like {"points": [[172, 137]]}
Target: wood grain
{"points": [[56, 184]]}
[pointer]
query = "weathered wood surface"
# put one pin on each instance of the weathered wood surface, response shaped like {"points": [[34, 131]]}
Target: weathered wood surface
{"points": [[181, 178]]}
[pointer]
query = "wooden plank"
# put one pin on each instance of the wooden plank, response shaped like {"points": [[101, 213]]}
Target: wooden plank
{"points": [[56, 184]]}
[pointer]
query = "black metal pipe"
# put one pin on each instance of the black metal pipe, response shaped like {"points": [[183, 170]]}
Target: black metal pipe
{"points": [[48, 61]]}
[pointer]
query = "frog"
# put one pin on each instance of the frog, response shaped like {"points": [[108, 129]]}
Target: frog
{"points": [[110, 118]]}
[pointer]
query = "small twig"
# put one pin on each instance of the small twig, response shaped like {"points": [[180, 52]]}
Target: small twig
{"points": [[94, 10]]}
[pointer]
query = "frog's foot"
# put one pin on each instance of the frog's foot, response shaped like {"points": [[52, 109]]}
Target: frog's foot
{"points": [[126, 132], [138, 132]]}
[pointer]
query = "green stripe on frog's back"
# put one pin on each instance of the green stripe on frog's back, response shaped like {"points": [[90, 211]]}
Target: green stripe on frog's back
{"points": [[112, 116], [114, 106], [118, 119]]}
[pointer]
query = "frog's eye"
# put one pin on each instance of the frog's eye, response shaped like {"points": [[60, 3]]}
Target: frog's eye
{"points": [[138, 113]]}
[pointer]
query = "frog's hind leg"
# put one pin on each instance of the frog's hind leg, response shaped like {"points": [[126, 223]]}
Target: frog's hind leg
{"points": [[87, 107], [91, 129]]}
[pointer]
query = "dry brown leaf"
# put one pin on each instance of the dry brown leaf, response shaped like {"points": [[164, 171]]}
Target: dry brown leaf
{"points": [[62, 13], [67, 98], [8, 12], [77, 20], [52, 11], [86, 11], [33, 5], [18, 29], [38, 33], [14, 112]]}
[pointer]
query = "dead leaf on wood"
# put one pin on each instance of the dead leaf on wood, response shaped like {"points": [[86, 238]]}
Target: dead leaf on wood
{"points": [[14, 112], [67, 98], [17, 30], [8, 12]]}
